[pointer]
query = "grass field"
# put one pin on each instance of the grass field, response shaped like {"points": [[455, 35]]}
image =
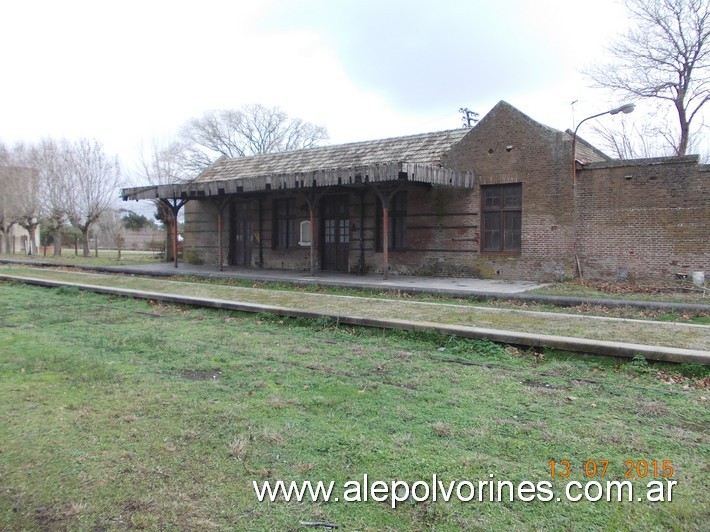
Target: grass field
{"points": [[123, 414], [674, 291], [106, 257]]}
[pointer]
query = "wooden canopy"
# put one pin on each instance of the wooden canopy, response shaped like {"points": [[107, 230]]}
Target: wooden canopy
{"points": [[377, 173]]}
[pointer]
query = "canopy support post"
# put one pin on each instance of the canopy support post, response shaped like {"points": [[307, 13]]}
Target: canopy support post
{"points": [[174, 205]]}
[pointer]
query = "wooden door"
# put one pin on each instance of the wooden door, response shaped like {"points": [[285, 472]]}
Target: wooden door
{"points": [[335, 231], [241, 234]]}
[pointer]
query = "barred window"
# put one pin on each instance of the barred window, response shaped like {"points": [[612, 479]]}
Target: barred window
{"points": [[284, 228], [397, 222], [501, 217]]}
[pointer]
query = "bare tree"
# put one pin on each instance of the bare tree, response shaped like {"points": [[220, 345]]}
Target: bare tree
{"points": [[4, 200], [112, 227], [4, 154], [7, 203], [21, 203], [53, 161], [626, 140], [250, 130], [665, 58], [161, 165], [95, 180], [28, 206], [4, 226]]}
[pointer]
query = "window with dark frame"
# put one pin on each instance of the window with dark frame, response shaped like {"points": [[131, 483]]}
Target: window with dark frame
{"points": [[501, 218], [397, 222], [284, 228]]}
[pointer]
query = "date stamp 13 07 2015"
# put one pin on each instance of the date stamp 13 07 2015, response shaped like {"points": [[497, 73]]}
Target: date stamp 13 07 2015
{"points": [[598, 468]]}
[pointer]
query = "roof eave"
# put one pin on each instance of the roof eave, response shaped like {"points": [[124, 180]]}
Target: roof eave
{"points": [[356, 175]]}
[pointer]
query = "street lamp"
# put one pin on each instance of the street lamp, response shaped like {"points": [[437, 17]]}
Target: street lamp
{"points": [[626, 109]]}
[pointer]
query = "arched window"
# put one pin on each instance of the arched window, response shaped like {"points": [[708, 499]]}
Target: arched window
{"points": [[305, 233]]}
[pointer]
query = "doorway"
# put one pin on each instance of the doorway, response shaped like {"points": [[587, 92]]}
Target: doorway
{"points": [[240, 232], [335, 233]]}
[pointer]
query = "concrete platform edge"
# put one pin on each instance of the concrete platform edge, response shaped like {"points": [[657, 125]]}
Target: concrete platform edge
{"points": [[583, 345], [562, 301]]}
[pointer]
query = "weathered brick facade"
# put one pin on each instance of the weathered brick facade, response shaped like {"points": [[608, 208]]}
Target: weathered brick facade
{"points": [[508, 147], [624, 219], [643, 219], [441, 233]]}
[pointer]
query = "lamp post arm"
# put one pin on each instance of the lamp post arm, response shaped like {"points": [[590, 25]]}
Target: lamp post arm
{"points": [[626, 109], [574, 136], [574, 142]]}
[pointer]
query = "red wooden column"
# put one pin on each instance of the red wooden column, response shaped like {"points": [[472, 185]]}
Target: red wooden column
{"points": [[174, 205], [385, 196]]}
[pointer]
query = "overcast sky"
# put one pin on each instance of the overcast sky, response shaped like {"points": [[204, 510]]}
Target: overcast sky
{"points": [[130, 71]]}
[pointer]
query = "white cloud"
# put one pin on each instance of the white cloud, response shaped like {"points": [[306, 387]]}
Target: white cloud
{"points": [[128, 71]]}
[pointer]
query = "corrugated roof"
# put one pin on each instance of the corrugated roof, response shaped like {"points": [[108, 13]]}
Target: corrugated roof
{"points": [[426, 148]]}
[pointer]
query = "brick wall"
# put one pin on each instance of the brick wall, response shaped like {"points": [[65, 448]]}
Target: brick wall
{"points": [[509, 147], [441, 233], [143, 238], [650, 219], [200, 235]]}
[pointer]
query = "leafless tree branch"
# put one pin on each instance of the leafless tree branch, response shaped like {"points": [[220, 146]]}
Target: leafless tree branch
{"points": [[95, 179], [666, 58], [250, 130]]}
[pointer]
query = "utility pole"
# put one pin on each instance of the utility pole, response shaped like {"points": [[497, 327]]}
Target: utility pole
{"points": [[572, 105], [469, 117]]}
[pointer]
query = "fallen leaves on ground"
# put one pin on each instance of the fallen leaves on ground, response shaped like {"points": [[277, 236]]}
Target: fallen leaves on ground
{"points": [[676, 378]]}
